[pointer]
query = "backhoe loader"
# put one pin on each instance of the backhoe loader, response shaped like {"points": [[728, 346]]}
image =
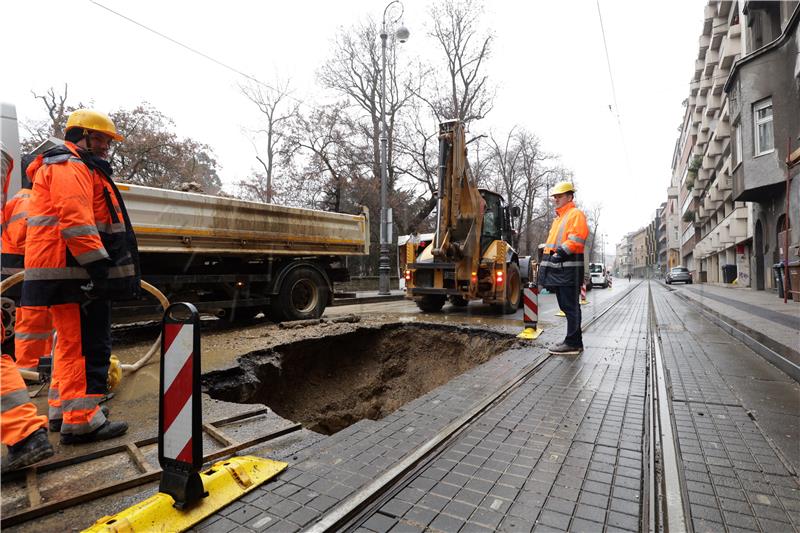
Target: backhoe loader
{"points": [[470, 256]]}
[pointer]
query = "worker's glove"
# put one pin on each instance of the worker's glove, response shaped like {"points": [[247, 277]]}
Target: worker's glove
{"points": [[97, 287], [556, 258]]}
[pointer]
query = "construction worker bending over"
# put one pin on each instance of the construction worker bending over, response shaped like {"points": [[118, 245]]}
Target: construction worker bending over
{"points": [[80, 253], [33, 330], [561, 270]]}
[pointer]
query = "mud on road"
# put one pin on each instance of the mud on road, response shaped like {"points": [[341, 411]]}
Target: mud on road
{"points": [[332, 381]]}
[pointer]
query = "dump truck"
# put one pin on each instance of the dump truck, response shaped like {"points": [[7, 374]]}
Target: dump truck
{"points": [[471, 256], [230, 257]]}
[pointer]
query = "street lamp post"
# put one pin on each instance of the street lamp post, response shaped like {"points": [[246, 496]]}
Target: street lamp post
{"points": [[401, 34]]}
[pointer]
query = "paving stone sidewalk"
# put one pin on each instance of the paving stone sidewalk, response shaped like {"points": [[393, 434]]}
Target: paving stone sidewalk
{"points": [[738, 452]]}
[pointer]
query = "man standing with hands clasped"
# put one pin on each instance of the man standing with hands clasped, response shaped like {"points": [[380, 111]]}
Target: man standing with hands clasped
{"points": [[80, 254], [561, 270]]}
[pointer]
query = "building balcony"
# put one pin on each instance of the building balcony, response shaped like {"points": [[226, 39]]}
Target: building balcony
{"points": [[699, 67], [714, 148], [672, 192], [712, 58], [700, 103], [694, 85], [702, 44], [723, 130], [713, 103], [730, 50], [724, 181], [720, 77], [710, 11], [705, 84]]}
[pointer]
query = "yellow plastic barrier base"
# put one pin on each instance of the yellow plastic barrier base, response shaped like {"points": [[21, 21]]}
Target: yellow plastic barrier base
{"points": [[584, 302], [561, 313], [225, 482], [530, 333]]}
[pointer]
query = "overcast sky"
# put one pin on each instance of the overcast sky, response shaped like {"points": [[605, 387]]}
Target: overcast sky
{"points": [[548, 62]]}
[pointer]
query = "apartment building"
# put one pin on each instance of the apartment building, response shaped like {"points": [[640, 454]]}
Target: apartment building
{"points": [[640, 255], [724, 201], [763, 89]]}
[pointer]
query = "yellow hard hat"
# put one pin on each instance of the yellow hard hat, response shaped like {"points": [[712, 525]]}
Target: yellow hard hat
{"points": [[90, 119], [561, 187]]}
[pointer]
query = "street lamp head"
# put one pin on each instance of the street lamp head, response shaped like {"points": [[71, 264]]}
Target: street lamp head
{"points": [[402, 34]]}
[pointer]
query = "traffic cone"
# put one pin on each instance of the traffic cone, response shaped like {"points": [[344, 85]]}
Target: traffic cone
{"points": [[584, 301], [530, 313]]}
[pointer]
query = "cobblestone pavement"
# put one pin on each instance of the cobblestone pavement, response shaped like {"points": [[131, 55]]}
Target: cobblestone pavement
{"points": [[563, 450]]}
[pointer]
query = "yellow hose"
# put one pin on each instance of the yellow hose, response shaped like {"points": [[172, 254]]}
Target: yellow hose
{"points": [[114, 377]]}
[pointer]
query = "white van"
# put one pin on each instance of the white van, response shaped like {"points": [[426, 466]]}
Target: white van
{"points": [[599, 276]]}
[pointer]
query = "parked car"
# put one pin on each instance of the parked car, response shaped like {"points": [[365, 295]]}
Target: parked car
{"points": [[599, 275], [678, 273]]}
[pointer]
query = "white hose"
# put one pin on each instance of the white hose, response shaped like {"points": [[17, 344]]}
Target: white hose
{"points": [[162, 299]]}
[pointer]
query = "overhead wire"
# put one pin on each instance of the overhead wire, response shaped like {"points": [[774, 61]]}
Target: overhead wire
{"points": [[614, 92], [194, 50]]}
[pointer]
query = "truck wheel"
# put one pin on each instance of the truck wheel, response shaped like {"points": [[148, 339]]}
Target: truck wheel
{"points": [[303, 295], [430, 303], [513, 289], [459, 301]]}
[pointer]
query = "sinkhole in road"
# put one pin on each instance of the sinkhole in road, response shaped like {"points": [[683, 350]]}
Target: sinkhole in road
{"points": [[331, 382]]}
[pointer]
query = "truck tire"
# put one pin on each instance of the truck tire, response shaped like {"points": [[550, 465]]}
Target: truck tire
{"points": [[431, 303], [303, 295], [459, 301]]}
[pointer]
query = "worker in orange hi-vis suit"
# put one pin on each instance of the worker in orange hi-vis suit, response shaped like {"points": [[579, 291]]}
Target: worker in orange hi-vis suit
{"points": [[80, 254], [21, 429], [33, 330]]}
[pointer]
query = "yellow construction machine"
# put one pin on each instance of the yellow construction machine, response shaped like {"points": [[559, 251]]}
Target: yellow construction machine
{"points": [[470, 256]]}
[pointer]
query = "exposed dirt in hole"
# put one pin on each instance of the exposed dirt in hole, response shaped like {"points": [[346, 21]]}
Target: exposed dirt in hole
{"points": [[332, 382]]}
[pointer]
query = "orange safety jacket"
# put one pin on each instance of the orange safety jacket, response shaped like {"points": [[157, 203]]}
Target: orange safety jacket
{"points": [[567, 237], [78, 230], [14, 229]]}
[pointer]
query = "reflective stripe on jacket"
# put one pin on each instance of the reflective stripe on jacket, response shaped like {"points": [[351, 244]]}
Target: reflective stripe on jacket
{"points": [[77, 224], [567, 236], [15, 216]]}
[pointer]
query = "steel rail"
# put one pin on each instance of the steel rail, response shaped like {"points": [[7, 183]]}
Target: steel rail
{"points": [[673, 502], [361, 503], [148, 473]]}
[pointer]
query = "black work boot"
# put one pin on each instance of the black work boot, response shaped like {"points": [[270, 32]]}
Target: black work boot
{"points": [[563, 348], [55, 424], [29, 450], [109, 430]]}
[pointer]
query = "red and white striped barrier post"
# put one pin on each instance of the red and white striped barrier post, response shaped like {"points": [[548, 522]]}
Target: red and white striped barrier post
{"points": [[180, 438], [584, 301], [530, 312]]}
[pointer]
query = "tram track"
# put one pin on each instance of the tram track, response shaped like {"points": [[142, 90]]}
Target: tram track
{"points": [[356, 509], [133, 451]]}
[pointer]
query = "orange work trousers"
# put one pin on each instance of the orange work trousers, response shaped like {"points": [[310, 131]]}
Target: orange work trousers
{"points": [[33, 336], [18, 417], [80, 366]]}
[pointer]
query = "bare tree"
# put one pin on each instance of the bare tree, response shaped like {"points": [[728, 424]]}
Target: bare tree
{"points": [[277, 108], [58, 110], [466, 49], [354, 71]]}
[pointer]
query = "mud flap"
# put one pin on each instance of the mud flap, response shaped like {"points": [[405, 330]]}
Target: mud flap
{"points": [[226, 481]]}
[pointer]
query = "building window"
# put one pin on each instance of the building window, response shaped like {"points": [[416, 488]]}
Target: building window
{"points": [[762, 122], [736, 147]]}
